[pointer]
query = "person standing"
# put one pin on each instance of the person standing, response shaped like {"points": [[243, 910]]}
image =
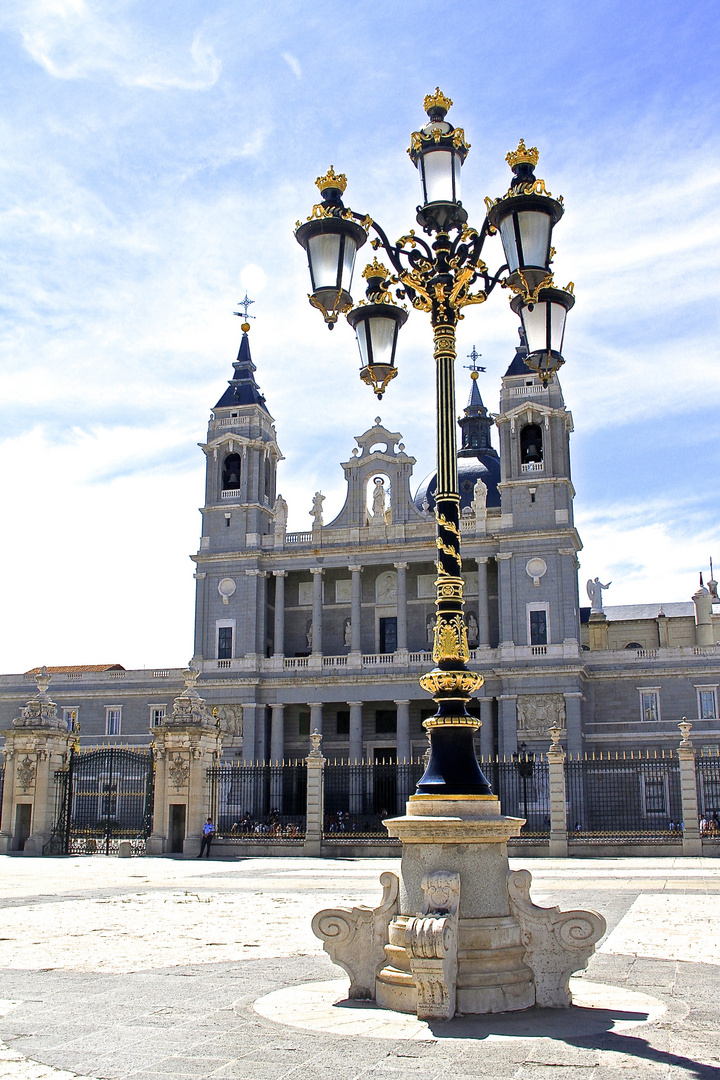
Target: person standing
{"points": [[207, 838]]}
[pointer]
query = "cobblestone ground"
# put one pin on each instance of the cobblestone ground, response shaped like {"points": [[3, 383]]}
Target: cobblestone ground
{"points": [[151, 967]]}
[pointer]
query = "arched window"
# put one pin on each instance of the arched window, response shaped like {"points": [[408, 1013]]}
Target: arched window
{"points": [[531, 445], [231, 472], [634, 645], [268, 477]]}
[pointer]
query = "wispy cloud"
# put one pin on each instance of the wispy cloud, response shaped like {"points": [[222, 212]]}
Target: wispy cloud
{"points": [[84, 39], [293, 63]]}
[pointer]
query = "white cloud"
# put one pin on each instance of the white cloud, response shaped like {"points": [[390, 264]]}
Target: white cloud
{"points": [[293, 63], [83, 39]]}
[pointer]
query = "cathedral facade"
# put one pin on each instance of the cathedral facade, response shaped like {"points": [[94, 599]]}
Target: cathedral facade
{"points": [[330, 629]]}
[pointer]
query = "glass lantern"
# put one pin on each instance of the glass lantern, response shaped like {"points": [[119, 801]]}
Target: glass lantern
{"points": [[438, 151], [543, 319]]}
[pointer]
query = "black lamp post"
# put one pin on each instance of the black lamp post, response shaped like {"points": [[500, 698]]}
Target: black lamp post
{"points": [[441, 277]]}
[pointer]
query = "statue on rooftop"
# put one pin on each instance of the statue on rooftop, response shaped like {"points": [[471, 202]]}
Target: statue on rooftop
{"points": [[595, 590]]}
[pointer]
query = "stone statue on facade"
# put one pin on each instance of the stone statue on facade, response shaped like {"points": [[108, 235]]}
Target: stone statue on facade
{"points": [[379, 500], [595, 590], [479, 503], [317, 508], [280, 514], [472, 628], [309, 635], [347, 633]]}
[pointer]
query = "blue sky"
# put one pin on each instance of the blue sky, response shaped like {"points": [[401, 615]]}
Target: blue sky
{"points": [[154, 160]]}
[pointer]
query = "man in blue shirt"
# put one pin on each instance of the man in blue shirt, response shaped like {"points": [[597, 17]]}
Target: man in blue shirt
{"points": [[207, 838]]}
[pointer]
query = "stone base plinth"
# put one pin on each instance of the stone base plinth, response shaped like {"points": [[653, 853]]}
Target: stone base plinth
{"points": [[466, 836]]}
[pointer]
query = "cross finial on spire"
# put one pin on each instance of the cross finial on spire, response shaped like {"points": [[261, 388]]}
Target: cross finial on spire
{"points": [[244, 304], [474, 367]]}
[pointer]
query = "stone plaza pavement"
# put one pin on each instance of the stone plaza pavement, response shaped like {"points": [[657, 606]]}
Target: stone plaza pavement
{"points": [[168, 968]]}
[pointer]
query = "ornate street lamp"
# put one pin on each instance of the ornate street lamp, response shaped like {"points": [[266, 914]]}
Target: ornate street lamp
{"points": [[525, 764], [441, 277]]}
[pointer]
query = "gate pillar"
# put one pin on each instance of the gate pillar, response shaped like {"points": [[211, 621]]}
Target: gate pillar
{"points": [[36, 747], [187, 742]]}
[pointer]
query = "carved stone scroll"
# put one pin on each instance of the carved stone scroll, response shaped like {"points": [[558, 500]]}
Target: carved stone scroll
{"points": [[431, 944], [354, 938], [557, 943]]}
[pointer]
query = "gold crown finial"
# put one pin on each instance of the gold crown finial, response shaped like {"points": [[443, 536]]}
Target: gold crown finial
{"points": [[331, 179], [375, 269], [522, 155], [437, 101]]}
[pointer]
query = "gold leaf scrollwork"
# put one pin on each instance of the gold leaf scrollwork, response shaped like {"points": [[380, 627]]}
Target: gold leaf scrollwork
{"points": [[450, 640], [530, 296], [445, 524], [447, 549]]}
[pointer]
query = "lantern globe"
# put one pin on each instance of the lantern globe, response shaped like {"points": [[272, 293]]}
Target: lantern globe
{"points": [[543, 319]]}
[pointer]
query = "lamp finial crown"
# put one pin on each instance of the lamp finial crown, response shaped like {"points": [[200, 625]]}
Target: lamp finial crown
{"points": [[375, 269], [436, 103], [523, 155], [331, 179]]}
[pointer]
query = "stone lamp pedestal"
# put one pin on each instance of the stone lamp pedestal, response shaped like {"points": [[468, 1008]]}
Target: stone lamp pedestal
{"points": [[457, 931]]}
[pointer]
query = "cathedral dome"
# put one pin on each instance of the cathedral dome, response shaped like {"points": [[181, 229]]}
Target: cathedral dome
{"points": [[470, 470]]}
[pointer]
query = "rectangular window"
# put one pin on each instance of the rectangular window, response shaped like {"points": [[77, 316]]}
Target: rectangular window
{"points": [[304, 723], [650, 705], [538, 628], [707, 703], [70, 718], [343, 723], [385, 722], [388, 635], [112, 720], [157, 715], [225, 643], [655, 802]]}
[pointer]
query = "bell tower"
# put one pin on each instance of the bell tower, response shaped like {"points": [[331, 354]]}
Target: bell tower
{"points": [[241, 455], [538, 539]]}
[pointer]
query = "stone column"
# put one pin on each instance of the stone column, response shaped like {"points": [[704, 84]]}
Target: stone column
{"points": [[692, 843], [558, 797], [261, 646], [36, 747], [317, 614], [573, 722], [355, 755], [187, 743], [316, 717], [508, 725], [402, 644], [277, 753], [249, 746], [487, 743], [244, 469], [356, 615], [200, 591], [315, 764], [483, 609], [277, 734], [356, 740], [279, 632], [261, 749], [505, 590], [403, 731]]}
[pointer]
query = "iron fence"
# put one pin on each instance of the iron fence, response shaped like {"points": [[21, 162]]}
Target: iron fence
{"points": [[630, 797], [523, 787], [104, 796], [358, 796], [2, 787], [261, 802], [708, 791]]}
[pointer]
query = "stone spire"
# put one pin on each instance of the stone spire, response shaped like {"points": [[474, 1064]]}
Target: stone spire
{"points": [[475, 424], [242, 388]]}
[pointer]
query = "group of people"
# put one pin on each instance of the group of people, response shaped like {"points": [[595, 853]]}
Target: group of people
{"points": [[710, 826]]}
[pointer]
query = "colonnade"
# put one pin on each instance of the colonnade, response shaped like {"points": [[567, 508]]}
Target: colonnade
{"points": [[356, 608]]}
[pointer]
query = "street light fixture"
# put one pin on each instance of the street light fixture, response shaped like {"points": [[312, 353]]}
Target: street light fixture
{"points": [[441, 277], [525, 764]]}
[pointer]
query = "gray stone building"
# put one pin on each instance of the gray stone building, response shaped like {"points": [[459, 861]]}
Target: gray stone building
{"points": [[329, 629]]}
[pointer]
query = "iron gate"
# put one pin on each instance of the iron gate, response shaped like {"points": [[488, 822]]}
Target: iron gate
{"points": [[104, 796]]}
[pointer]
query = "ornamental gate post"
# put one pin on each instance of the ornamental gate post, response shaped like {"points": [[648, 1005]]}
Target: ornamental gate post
{"points": [[36, 747], [187, 743], [692, 843], [315, 764], [558, 796]]}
